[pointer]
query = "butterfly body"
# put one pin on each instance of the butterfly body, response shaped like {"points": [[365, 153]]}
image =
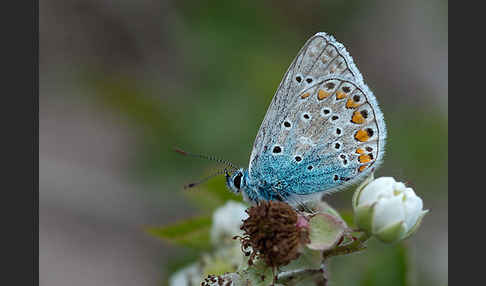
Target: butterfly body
{"points": [[322, 132]]}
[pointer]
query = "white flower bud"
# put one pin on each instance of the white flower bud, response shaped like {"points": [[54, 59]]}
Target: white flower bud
{"points": [[227, 221], [387, 209]]}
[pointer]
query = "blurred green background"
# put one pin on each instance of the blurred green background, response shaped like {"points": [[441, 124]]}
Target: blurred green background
{"points": [[123, 82]]}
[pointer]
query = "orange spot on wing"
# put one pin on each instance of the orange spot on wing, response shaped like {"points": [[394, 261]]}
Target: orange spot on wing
{"points": [[340, 94], [362, 135], [358, 118], [351, 104], [322, 94], [360, 151], [305, 95], [361, 168], [364, 158]]}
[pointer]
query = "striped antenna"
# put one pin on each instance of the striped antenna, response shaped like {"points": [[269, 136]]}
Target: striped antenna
{"points": [[192, 185], [210, 158]]}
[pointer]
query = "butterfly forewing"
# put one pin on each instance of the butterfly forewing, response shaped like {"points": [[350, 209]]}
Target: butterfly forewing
{"points": [[323, 121]]}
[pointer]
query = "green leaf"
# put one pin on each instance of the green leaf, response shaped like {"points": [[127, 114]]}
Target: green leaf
{"points": [[212, 195], [191, 233], [325, 231], [217, 188]]}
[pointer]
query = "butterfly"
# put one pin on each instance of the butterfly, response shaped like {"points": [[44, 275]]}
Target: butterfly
{"points": [[322, 132]]}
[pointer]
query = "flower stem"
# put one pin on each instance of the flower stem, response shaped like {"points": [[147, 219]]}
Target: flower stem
{"points": [[354, 246], [292, 277]]}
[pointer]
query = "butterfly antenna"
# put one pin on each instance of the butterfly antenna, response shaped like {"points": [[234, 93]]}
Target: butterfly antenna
{"points": [[211, 158], [192, 185]]}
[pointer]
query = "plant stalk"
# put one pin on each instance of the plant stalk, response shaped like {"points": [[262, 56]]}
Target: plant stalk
{"points": [[351, 247]]}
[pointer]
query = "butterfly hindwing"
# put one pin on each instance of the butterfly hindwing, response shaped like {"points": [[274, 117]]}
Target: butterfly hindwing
{"points": [[320, 56], [323, 127]]}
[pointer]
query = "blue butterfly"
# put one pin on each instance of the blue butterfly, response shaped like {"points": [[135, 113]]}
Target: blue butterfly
{"points": [[322, 132]]}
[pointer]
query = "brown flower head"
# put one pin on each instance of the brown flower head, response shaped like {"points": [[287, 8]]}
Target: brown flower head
{"points": [[273, 232]]}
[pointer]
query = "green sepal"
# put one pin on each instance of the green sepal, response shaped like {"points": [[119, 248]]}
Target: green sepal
{"points": [[259, 274], [416, 226], [391, 233], [363, 217], [194, 232], [308, 259], [357, 193], [325, 231]]}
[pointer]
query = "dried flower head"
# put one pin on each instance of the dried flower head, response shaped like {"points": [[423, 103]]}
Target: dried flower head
{"points": [[274, 233]]}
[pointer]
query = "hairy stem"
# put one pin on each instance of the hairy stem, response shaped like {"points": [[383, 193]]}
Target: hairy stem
{"points": [[351, 247], [294, 276]]}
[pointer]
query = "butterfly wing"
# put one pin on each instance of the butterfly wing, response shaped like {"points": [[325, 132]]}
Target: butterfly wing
{"points": [[323, 128]]}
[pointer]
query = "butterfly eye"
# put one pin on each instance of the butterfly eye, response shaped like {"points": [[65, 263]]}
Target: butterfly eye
{"points": [[237, 180], [308, 80], [298, 78]]}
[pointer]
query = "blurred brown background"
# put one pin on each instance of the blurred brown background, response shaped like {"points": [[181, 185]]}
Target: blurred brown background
{"points": [[122, 82]]}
